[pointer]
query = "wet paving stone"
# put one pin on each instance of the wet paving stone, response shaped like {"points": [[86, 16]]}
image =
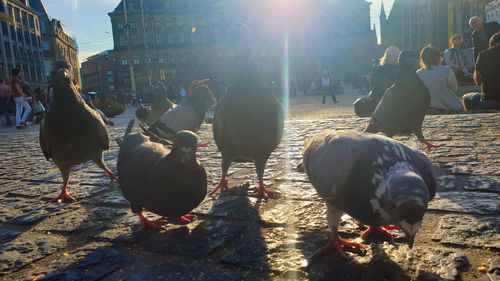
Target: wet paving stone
{"points": [[24, 250], [483, 183], [183, 272], [469, 231], [304, 214], [467, 202], [235, 207], [199, 241], [91, 262]]}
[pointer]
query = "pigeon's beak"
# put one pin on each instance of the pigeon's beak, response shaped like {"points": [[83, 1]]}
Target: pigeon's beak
{"points": [[187, 155], [63, 72]]}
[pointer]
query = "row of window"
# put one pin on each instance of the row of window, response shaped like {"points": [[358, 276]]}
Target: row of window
{"points": [[183, 59], [19, 52], [30, 73], [171, 38], [28, 38], [494, 15], [23, 18]]}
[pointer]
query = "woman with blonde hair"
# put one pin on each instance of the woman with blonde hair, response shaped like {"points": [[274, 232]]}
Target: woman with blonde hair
{"points": [[383, 77], [439, 79], [453, 56]]}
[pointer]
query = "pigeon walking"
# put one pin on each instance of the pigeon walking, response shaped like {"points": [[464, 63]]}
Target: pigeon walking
{"points": [[187, 116], [248, 123], [167, 182], [376, 180], [72, 133], [404, 105]]}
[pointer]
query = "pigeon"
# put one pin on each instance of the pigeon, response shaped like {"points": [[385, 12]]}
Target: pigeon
{"points": [[404, 105], [248, 121], [167, 182], [374, 179], [160, 105], [72, 133], [186, 116]]}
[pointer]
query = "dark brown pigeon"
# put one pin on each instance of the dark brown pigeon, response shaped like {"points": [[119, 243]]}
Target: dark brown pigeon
{"points": [[160, 105], [404, 105], [372, 178], [186, 116], [167, 182], [248, 122], [72, 133]]}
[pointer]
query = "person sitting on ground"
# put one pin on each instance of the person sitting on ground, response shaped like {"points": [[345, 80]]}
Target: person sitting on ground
{"points": [[482, 34], [383, 77], [486, 76], [453, 57], [439, 80]]}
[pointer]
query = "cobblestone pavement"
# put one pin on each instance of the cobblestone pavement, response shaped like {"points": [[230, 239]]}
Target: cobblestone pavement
{"points": [[238, 237]]}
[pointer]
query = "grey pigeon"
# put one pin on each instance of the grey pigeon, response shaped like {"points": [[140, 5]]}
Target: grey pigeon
{"points": [[404, 105], [167, 182], [72, 133], [372, 178], [248, 122], [186, 116], [160, 105]]}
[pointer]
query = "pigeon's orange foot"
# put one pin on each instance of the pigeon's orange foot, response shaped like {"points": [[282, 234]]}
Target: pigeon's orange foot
{"points": [[112, 176], [429, 145], [222, 187], [382, 230], [145, 223], [336, 244], [204, 144], [63, 197], [261, 191], [186, 219]]}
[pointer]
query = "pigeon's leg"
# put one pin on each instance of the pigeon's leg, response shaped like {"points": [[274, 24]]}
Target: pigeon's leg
{"points": [[145, 223], [335, 244], [261, 191], [223, 182], [112, 176], [428, 145], [381, 229], [65, 195], [186, 219], [204, 144]]}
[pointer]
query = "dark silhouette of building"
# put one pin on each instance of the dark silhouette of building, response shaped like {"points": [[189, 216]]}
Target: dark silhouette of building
{"points": [[415, 24], [177, 41], [21, 45], [98, 73]]}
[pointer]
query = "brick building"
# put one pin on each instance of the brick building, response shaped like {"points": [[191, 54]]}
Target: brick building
{"points": [[21, 42], [177, 41], [56, 42], [98, 73]]}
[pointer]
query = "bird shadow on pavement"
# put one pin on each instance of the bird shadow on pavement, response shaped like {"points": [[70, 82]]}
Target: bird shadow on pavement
{"points": [[373, 264]]}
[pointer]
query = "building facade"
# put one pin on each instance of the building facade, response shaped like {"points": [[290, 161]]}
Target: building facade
{"points": [[415, 24], [177, 41], [98, 73], [21, 44], [56, 43], [493, 11]]}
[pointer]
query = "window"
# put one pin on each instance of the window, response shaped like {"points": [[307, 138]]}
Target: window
{"points": [[169, 24], [158, 38], [25, 19], [12, 33], [120, 26], [5, 29], [121, 40], [217, 34], [130, 6], [7, 49], [43, 27], [204, 36], [110, 79], [161, 60], [45, 45], [157, 24], [162, 74], [27, 37], [170, 38], [31, 21], [19, 35], [109, 72], [134, 39], [124, 62], [132, 25], [193, 37], [180, 24], [181, 37], [136, 61]]}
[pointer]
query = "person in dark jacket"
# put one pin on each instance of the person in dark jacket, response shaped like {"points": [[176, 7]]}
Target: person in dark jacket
{"points": [[482, 34], [383, 77]]}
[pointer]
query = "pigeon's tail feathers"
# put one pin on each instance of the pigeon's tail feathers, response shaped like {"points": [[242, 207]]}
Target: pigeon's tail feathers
{"points": [[154, 137], [128, 131]]}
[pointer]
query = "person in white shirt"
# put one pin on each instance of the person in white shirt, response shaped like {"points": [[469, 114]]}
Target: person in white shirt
{"points": [[327, 83], [440, 81]]}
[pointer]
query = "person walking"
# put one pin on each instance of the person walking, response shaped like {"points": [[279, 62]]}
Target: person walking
{"points": [[5, 97], [327, 83], [20, 100]]}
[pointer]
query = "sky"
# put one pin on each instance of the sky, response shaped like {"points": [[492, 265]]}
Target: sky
{"points": [[89, 23]]}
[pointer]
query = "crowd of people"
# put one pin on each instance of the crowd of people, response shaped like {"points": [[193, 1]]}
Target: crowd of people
{"points": [[442, 72]]}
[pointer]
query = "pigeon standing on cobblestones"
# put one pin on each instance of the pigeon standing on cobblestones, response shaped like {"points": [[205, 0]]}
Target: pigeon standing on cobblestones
{"points": [[186, 116], [160, 105], [374, 179], [166, 182], [404, 105], [249, 121], [72, 133]]}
